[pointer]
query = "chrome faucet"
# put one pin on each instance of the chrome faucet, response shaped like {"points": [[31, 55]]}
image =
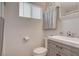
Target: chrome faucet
{"points": [[69, 33]]}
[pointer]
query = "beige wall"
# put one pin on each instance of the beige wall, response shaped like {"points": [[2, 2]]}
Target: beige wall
{"points": [[16, 28]]}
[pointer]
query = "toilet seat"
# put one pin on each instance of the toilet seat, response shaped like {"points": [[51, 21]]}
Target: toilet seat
{"points": [[40, 51]]}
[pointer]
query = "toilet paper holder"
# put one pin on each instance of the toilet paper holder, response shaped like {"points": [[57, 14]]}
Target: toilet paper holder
{"points": [[26, 38]]}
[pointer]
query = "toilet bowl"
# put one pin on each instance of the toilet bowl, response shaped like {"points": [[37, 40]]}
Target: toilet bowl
{"points": [[41, 51]]}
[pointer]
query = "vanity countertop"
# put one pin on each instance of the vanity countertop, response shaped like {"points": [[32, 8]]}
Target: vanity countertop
{"points": [[66, 40]]}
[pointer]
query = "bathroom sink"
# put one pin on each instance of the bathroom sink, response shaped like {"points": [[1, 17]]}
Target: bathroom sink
{"points": [[66, 40]]}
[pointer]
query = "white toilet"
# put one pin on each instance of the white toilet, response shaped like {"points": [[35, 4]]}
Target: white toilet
{"points": [[40, 51]]}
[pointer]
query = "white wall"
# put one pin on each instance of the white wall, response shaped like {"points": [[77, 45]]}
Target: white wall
{"points": [[16, 28], [71, 23], [65, 24]]}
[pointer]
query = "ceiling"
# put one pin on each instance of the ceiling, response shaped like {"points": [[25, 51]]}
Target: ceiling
{"points": [[69, 6]]}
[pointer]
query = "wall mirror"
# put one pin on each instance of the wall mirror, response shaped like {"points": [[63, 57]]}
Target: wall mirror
{"points": [[50, 17]]}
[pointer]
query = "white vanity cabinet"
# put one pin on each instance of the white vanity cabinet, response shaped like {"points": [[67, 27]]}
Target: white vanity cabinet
{"points": [[59, 49]]}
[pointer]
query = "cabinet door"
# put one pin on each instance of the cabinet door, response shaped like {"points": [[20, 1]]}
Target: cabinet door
{"points": [[66, 52], [52, 49], [36, 12]]}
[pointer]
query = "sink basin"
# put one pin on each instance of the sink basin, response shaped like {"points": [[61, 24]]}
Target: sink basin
{"points": [[66, 40]]}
